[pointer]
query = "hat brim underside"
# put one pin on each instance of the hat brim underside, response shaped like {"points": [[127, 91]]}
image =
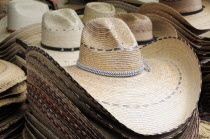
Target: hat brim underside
{"points": [[153, 102]]}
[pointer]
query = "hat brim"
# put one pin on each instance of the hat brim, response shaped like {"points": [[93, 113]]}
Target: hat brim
{"points": [[17, 89], [153, 102], [10, 75], [172, 12]]}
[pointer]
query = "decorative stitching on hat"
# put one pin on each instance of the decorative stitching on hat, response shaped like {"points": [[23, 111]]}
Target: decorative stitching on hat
{"points": [[32, 48], [114, 49], [115, 74], [48, 116], [72, 124], [147, 105]]}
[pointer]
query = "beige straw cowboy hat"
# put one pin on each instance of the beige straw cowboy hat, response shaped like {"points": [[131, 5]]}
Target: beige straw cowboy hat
{"points": [[10, 75], [61, 35], [20, 14], [144, 29], [97, 10], [193, 19], [196, 12], [150, 96]]}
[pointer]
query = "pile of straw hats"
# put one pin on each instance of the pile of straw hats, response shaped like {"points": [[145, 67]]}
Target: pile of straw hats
{"points": [[12, 98], [102, 84], [117, 71]]}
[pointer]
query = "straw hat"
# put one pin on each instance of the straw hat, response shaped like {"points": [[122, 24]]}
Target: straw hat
{"points": [[119, 4], [193, 11], [111, 69], [61, 35], [21, 14], [142, 27], [10, 75], [97, 10], [204, 130], [198, 20]]}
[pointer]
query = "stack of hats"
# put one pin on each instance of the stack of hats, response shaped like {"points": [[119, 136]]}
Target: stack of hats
{"points": [[113, 91], [12, 97]]}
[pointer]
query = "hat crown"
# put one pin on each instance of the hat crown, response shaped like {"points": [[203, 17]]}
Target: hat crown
{"points": [[109, 45], [97, 10], [140, 25], [23, 13], [184, 6], [61, 28]]}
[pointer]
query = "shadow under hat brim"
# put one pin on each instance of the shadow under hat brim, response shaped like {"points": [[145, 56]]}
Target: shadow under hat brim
{"points": [[154, 102]]}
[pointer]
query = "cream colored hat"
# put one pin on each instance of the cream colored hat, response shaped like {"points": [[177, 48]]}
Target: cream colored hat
{"points": [[151, 91], [23, 13], [97, 10], [196, 12], [144, 29], [61, 35], [20, 14]]}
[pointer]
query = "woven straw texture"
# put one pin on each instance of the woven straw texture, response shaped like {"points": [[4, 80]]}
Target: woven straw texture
{"points": [[10, 75], [118, 4], [197, 21], [204, 130], [98, 10], [131, 104], [140, 25]]}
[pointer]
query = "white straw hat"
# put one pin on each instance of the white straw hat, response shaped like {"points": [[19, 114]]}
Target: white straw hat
{"points": [[23, 13], [97, 10], [61, 35], [20, 14], [149, 98]]}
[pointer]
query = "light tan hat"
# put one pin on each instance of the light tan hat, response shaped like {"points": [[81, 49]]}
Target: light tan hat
{"points": [[204, 130], [196, 12], [151, 91], [144, 29], [119, 4], [195, 20], [97, 10], [20, 14], [61, 35], [10, 75]]}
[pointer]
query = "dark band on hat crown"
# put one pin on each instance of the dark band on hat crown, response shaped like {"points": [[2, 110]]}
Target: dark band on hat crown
{"points": [[59, 49]]}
